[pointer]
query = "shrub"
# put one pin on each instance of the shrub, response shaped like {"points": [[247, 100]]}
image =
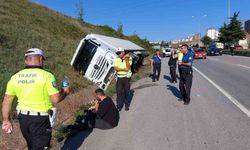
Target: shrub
{"points": [[238, 52]]}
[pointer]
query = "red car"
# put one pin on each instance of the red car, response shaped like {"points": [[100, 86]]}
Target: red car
{"points": [[238, 47], [200, 53]]}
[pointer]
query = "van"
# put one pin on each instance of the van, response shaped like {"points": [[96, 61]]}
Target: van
{"points": [[95, 55], [166, 52]]}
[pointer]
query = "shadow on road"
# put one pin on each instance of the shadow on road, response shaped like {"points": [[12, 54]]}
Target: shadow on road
{"points": [[145, 86], [174, 91], [166, 77], [131, 95], [74, 142]]}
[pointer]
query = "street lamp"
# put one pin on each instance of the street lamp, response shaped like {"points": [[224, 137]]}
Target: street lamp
{"points": [[199, 23], [229, 9]]}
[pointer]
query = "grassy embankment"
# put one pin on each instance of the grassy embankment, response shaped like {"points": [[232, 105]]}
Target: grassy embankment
{"points": [[24, 24]]}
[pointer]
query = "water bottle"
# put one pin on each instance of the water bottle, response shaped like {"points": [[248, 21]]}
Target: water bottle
{"points": [[92, 102], [65, 82]]}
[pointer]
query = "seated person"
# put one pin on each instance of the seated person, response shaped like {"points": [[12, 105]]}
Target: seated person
{"points": [[103, 114]]}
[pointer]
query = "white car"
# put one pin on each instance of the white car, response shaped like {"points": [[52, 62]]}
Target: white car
{"points": [[166, 52]]}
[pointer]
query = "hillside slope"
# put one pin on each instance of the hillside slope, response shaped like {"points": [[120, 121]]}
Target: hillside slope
{"points": [[24, 24]]}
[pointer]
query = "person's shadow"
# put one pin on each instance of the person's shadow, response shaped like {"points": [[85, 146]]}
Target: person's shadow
{"points": [[131, 95], [77, 133], [166, 77], [174, 91], [75, 141]]}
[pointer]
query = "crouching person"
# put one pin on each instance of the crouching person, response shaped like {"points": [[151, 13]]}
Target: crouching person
{"points": [[103, 114]]}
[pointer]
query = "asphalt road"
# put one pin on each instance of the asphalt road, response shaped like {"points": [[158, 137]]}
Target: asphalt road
{"points": [[230, 73], [159, 121]]}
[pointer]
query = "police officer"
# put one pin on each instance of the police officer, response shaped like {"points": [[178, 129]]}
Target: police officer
{"points": [[122, 66], [232, 49], [156, 62], [36, 91], [172, 65], [186, 73], [179, 56]]}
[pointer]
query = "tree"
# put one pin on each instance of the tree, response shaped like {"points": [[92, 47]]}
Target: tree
{"points": [[235, 26], [233, 32], [164, 44], [223, 36], [80, 11], [120, 29], [206, 40]]}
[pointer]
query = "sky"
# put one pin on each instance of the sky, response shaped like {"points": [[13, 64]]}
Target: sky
{"points": [[156, 20]]}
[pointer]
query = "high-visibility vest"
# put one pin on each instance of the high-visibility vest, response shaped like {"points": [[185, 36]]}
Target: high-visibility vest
{"points": [[122, 64], [32, 87], [180, 56]]}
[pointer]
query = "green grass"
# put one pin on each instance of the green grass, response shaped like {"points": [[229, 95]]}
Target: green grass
{"points": [[111, 90], [62, 132], [135, 78]]}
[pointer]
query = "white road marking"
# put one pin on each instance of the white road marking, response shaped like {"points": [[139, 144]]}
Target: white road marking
{"points": [[247, 67], [243, 66], [231, 98], [213, 59]]}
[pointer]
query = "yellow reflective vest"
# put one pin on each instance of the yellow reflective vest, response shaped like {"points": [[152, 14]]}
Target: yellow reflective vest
{"points": [[122, 64], [180, 56], [32, 87]]}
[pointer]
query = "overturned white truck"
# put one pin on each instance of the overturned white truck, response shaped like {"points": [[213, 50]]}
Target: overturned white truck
{"points": [[95, 55]]}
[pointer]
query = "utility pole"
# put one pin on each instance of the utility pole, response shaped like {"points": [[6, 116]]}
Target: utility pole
{"points": [[229, 10]]}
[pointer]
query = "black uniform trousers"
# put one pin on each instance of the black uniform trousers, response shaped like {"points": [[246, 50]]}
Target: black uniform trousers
{"points": [[156, 68], [36, 130], [172, 70], [185, 84], [92, 122], [122, 91]]}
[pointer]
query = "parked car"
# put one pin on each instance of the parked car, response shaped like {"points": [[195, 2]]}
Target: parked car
{"points": [[238, 47], [200, 53], [166, 52], [214, 51]]}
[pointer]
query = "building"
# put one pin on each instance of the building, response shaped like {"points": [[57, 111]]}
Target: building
{"points": [[196, 38], [247, 26], [247, 30], [157, 47], [213, 33], [243, 43]]}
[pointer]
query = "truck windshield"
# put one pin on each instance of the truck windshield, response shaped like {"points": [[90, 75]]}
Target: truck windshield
{"points": [[85, 54]]}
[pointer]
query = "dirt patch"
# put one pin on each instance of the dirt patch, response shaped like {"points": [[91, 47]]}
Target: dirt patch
{"points": [[68, 107], [13, 141]]}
